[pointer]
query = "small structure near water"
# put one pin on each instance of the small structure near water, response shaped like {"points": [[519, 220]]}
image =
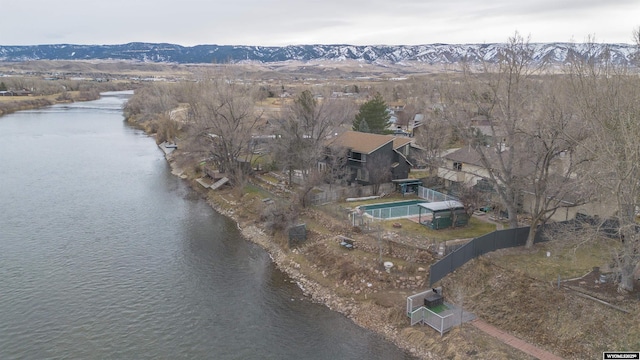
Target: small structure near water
{"points": [[442, 214], [431, 308]]}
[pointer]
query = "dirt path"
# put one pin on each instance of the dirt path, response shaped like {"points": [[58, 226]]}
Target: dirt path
{"points": [[514, 341]]}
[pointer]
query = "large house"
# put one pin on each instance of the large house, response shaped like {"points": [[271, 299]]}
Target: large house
{"points": [[372, 157], [464, 167]]}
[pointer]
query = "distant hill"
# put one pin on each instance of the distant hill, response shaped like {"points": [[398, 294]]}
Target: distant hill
{"points": [[432, 54]]}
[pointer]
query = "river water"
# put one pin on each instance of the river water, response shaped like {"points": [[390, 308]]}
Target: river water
{"points": [[105, 254]]}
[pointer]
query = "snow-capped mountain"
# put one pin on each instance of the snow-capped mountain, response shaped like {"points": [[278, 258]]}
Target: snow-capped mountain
{"points": [[432, 54]]}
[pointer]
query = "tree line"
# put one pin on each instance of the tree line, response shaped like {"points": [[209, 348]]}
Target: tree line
{"points": [[566, 136]]}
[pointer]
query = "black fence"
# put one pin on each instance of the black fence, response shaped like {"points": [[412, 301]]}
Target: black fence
{"points": [[499, 239]]}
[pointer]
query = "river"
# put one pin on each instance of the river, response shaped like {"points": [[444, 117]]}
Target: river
{"points": [[106, 255]]}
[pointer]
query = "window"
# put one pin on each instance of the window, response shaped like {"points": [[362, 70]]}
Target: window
{"points": [[457, 166], [362, 175], [358, 157]]}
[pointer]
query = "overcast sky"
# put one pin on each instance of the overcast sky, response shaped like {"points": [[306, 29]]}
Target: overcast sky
{"points": [[291, 22]]}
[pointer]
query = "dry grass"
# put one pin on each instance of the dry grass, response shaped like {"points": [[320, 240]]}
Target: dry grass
{"points": [[410, 228], [566, 263], [540, 313]]}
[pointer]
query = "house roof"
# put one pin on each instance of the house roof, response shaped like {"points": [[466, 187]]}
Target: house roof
{"points": [[467, 155], [441, 205], [400, 141], [364, 143]]}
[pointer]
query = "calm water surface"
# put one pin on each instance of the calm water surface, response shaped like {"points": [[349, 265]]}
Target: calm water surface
{"points": [[105, 254]]}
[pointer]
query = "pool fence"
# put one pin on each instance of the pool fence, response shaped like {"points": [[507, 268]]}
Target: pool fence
{"points": [[431, 195]]}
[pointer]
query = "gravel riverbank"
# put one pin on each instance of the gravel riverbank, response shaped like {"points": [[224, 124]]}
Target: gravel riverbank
{"points": [[367, 315]]}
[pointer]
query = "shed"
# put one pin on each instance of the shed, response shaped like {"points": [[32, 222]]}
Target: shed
{"points": [[442, 214]]}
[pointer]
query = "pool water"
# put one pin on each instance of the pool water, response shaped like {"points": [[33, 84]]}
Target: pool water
{"points": [[392, 210]]}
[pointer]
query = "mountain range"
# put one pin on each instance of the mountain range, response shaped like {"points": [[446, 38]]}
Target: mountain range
{"points": [[556, 53]]}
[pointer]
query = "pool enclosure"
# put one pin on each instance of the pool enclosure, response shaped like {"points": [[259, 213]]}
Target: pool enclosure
{"points": [[442, 214]]}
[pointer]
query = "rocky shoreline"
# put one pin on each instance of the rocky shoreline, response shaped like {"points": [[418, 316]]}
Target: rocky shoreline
{"points": [[368, 316]]}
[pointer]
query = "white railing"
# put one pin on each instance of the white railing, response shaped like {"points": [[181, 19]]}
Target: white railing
{"points": [[394, 211], [418, 313], [432, 196], [440, 323], [417, 300]]}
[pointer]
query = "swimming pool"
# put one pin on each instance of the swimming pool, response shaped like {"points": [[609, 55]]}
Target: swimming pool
{"points": [[390, 210]]}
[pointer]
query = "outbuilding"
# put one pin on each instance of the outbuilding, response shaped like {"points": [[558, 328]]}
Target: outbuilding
{"points": [[442, 214]]}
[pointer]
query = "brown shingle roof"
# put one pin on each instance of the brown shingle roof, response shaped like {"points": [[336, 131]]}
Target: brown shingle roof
{"points": [[400, 142], [364, 143], [466, 155]]}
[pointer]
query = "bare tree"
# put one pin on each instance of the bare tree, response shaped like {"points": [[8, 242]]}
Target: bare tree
{"points": [[151, 101], [314, 178], [526, 134], [432, 138], [290, 148], [554, 140], [471, 198], [222, 118], [334, 164], [303, 128], [608, 96], [503, 94]]}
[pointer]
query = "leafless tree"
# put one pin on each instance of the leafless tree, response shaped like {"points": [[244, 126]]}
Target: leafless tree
{"points": [[334, 165], [529, 136], [222, 117], [608, 96], [432, 136], [151, 101], [554, 140], [471, 198], [303, 128], [314, 178], [503, 94]]}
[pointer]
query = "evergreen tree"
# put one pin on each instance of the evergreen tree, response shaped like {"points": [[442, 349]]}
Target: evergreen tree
{"points": [[373, 117], [3, 87]]}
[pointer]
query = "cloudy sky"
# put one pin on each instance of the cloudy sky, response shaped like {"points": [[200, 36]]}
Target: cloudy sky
{"points": [[290, 22]]}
